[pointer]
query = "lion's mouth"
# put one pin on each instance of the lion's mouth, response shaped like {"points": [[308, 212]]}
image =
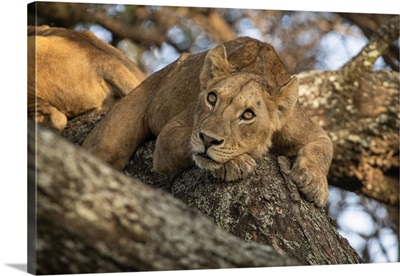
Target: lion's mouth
{"points": [[204, 155]]}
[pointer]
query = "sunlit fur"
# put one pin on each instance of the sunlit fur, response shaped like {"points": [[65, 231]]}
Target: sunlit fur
{"points": [[71, 72]]}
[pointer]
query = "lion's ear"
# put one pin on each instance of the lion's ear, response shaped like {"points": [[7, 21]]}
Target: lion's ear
{"points": [[215, 67], [286, 98]]}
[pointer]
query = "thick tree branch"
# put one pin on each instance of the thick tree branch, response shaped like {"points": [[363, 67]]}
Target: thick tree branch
{"points": [[91, 218]]}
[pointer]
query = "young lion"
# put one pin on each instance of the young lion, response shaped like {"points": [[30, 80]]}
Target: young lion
{"points": [[232, 117]]}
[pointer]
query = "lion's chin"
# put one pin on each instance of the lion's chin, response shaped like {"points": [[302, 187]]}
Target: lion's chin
{"points": [[205, 162]]}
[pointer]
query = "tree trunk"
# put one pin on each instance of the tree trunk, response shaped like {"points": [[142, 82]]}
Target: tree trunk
{"points": [[92, 218]]}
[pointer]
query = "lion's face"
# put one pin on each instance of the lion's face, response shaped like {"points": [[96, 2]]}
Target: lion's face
{"points": [[232, 118], [235, 114]]}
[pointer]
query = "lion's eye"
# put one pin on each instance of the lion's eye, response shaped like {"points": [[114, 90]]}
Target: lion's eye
{"points": [[248, 115], [212, 98]]}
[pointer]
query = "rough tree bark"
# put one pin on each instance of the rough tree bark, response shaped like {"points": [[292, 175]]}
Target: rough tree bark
{"points": [[359, 108], [92, 218]]}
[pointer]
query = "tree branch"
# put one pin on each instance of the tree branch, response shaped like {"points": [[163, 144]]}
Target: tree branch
{"points": [[378, 44], [91, 218], [369, 23], [71, 14]]}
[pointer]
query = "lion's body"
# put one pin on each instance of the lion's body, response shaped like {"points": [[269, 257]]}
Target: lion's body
{"points": [[220, 110], [71, 72]]}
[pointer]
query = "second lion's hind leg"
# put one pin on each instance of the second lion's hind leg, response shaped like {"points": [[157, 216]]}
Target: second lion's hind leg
{"points": [[43, 112]]}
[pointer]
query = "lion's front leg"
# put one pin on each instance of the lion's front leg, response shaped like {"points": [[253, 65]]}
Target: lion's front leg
{"points": [[237, 168], [310, 170], [173, 152]]}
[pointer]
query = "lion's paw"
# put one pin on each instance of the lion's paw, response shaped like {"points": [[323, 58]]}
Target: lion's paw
{"points": [[237, 168], [310, 180]]}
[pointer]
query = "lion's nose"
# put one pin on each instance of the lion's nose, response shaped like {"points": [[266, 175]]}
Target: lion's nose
{"points": [[209, 141]]}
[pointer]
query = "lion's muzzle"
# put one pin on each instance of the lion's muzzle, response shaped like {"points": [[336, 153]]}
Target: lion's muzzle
{"points": [[209, 141]]}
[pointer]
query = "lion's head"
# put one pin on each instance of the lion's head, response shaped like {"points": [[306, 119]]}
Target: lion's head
{"points": [[235, 113]]}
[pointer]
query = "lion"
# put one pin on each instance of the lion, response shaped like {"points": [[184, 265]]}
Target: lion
{"points": [[71, 72], [221, 112]]}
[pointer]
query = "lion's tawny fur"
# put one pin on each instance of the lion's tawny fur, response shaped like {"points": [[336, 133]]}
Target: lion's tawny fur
{"points": [[71, 72]]}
